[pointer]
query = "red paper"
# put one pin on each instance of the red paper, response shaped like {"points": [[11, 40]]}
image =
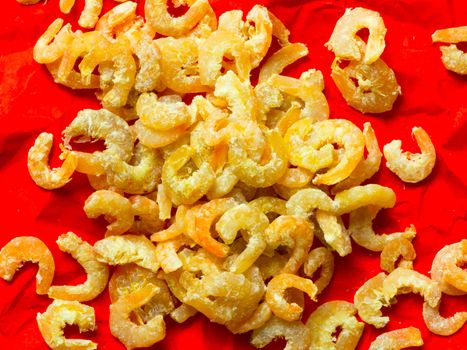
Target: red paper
{"points": [[30, 102]]}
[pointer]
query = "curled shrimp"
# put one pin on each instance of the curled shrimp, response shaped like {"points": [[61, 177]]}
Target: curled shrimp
{"points": [[61, 313], [275, 295], [320, 258], [254, 224], [175, 229], [440, 325], [114, 205], [90, 14], [158, 138], [146, 213], [294, 232], [167, 253], [368, 166], [295, 333], [160, 19], [28, 248], [119, 15], [52, 44], [305, 201], [39, 169], [99, 124], [398, 339], [361, 230], [345, 43], [453, 58], [310, 145], [455, 275], [369, 299], [119, 250], [334, 232], [325, 320], [129, 333], [411, 167], [261, 315], [97, 272], [395, 248], [448, 259], [182, 313], [269, 204], [259, 29]]}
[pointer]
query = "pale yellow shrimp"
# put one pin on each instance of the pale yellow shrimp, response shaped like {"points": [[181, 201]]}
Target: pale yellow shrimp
{"points": [[334, 232], [99, 124], [361, 196], [39, 169], [97, 272], [259, 28], [310, 145], [295, 333], [146, 213], [109, 203], [175, 229], [368, 166], [320, 258], [345, 42], [369, 88], [53, 43], [275, 295], [369, 299], [167, 252], [454, 59], [164, 202], [294, 232], [130, 334], [186, 189], [361, 229], [281, 59], [261, 315], [411, 167], [28, 248], [440, 325], [398, 339], [447, 259], [305, 201], [160, 19], [182, 313], [395, 248], [119, 250], [325, 320], [61, 313], [269, 204], [158, 138], [119, 15]]}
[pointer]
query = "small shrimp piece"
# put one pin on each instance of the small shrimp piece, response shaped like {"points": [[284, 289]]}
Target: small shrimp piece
{"points": [[295, 333], [369, 88], [278, 303], [39, 169], [28, 248], [99, 124], [453, 58], [259, 28], [186, 189], [175, 229], [294, 232], [411, 167], [109, 203], [399, 247], [320, 258], [368, 166], [253, 223], [310, 145], [268, 204], [164, 202], [129, 333], [398, 339], [147, 212], [440, 325], [158, 138], [183, 313], [405, 281], [362, 233], [167, 253], [52, 44], [447, 259], [327, 318], [61, 313], [199, 219], [334, 232], [369, 299], [261, 315], [119, 250], [361, 196], [129, 278], [119, 15], [293, 114], [97, 272], [345, 42], [160, 19], [305, 201], [279, 30], [281, 59], [72, 79], [90, 14]]}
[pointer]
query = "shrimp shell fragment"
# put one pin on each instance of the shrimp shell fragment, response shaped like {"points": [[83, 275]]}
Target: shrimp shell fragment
{"points": [[61, 313], [398, 339], [411, 167], [28, 248], [97, 272]]}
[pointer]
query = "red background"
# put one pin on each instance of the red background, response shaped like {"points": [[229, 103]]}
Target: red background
{"points": [[30, 102]]}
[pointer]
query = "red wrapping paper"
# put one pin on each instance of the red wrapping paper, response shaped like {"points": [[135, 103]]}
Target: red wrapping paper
{"points": [[30, 102]]}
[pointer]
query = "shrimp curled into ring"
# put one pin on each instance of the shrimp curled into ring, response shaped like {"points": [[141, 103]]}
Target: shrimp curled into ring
{"points": [[28, 248], [411, 167], [448, 259], [97, 272], [58, 315], [440, 325], [275, 295], [397, 339]]}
